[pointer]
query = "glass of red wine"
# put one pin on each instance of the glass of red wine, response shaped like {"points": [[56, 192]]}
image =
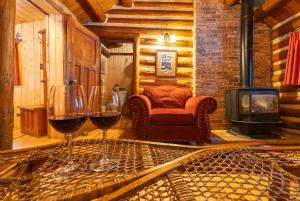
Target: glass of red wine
{"points": [[104, 119], [67, 111]]}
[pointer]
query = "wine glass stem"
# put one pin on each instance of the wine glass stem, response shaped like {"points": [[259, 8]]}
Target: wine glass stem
{"points": [[104, 157], [70, 150]]}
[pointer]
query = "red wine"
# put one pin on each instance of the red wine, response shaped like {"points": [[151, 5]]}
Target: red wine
{"points": [[105, 120], [67, 123]]}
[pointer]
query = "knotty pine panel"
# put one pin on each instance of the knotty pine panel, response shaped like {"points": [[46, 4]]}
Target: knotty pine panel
{"points": [[30, 91]]}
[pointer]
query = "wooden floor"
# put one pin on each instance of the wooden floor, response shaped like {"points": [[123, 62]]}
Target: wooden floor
{"points": [[122, 130]]}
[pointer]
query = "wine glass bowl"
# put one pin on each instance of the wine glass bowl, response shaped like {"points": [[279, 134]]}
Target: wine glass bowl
{"points": [[67, 112], [103, 120]]}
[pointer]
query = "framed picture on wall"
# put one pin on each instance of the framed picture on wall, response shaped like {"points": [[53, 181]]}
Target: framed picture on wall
{"points": [[166, 63]]}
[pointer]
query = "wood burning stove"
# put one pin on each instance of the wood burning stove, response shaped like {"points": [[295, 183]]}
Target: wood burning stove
{"points": [[251, 110]]}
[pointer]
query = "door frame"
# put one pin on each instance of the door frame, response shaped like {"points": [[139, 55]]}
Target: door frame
{"points": [[135, 39]]}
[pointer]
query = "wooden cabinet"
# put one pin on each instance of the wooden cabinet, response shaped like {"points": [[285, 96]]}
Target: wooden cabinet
{"points": [[34, 120]]}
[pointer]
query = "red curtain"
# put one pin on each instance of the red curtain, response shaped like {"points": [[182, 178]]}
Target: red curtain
{"points": [[16, 66], [292, 70]]}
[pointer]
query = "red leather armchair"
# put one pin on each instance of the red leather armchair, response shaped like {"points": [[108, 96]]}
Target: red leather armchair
{"points": [[170, 113]]}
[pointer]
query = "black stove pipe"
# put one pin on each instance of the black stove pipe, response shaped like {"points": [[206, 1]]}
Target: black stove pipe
{"points": [[246, 73]]}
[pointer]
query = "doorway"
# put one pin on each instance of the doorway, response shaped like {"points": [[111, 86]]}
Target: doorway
{"points": [[117, 69]]}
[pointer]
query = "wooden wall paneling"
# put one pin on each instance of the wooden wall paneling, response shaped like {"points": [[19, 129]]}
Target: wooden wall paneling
{"points": [[29, 63], [37, 58], [44, 89], [55, 57], [119, 71], [18, 89]]}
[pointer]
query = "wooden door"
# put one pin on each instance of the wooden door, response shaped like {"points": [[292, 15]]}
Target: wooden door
{"points": [[83, 56]]}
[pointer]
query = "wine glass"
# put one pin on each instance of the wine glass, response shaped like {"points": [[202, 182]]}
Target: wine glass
{"points": [[104, 120], [67, 111]]}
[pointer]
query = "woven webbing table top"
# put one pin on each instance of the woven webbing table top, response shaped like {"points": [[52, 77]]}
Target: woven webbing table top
{"points": [[154, 171]]}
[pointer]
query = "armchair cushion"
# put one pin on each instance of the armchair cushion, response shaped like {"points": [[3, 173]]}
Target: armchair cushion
{"points": [[171, 116], [167, 96]]}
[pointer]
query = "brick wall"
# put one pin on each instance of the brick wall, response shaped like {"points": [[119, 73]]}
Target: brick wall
{"points": [[217, 34]]}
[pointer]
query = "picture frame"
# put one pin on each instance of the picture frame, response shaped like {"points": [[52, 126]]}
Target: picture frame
{"points": [[166, 63]]}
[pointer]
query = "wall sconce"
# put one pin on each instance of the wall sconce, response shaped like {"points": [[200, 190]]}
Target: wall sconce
{"points": [[167, 38]]}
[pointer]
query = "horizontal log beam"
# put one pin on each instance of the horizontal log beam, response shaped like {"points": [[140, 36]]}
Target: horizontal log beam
{"points": [[152, 51], [262, 12], [279, 56], [151, 13], [178, 74], [165, 82], [164, 4], [180, 63], [126, 3], [61, 8], [289, 130], [104, 30], [121, 54], [281, 44], [148, 26], [278, 78], [290, 122], [290, 110], [179, 43], [166, 22], [230, 2], [279, 67], [289, 98], [289, 27]]}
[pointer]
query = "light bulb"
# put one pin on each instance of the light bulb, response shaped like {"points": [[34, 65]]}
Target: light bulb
{"points": [[161, 39], [173, 38]]}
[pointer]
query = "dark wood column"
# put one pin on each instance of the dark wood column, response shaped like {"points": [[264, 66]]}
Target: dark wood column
{"points": [[7, 44]]}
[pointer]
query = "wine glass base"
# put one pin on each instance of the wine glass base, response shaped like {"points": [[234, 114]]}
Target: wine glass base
{"points": [[103, 165], [65, 172]]}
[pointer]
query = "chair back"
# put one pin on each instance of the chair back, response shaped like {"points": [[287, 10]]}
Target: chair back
{"points": [[166, 96]]}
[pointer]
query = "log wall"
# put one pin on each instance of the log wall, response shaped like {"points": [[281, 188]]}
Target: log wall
{"points": [[150, 20], [289, 96]]}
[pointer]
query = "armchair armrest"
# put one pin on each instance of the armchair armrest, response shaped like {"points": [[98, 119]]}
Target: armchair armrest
{"points": [[139, 103], [140, 106], [205, 104], [201, 106]]}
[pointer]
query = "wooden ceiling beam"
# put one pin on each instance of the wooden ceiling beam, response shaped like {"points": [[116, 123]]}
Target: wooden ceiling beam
{"points": [[230, 2], [126, 3], [99, 30], [61, 8], [36, 6], [97, 9], [264, 10]]}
